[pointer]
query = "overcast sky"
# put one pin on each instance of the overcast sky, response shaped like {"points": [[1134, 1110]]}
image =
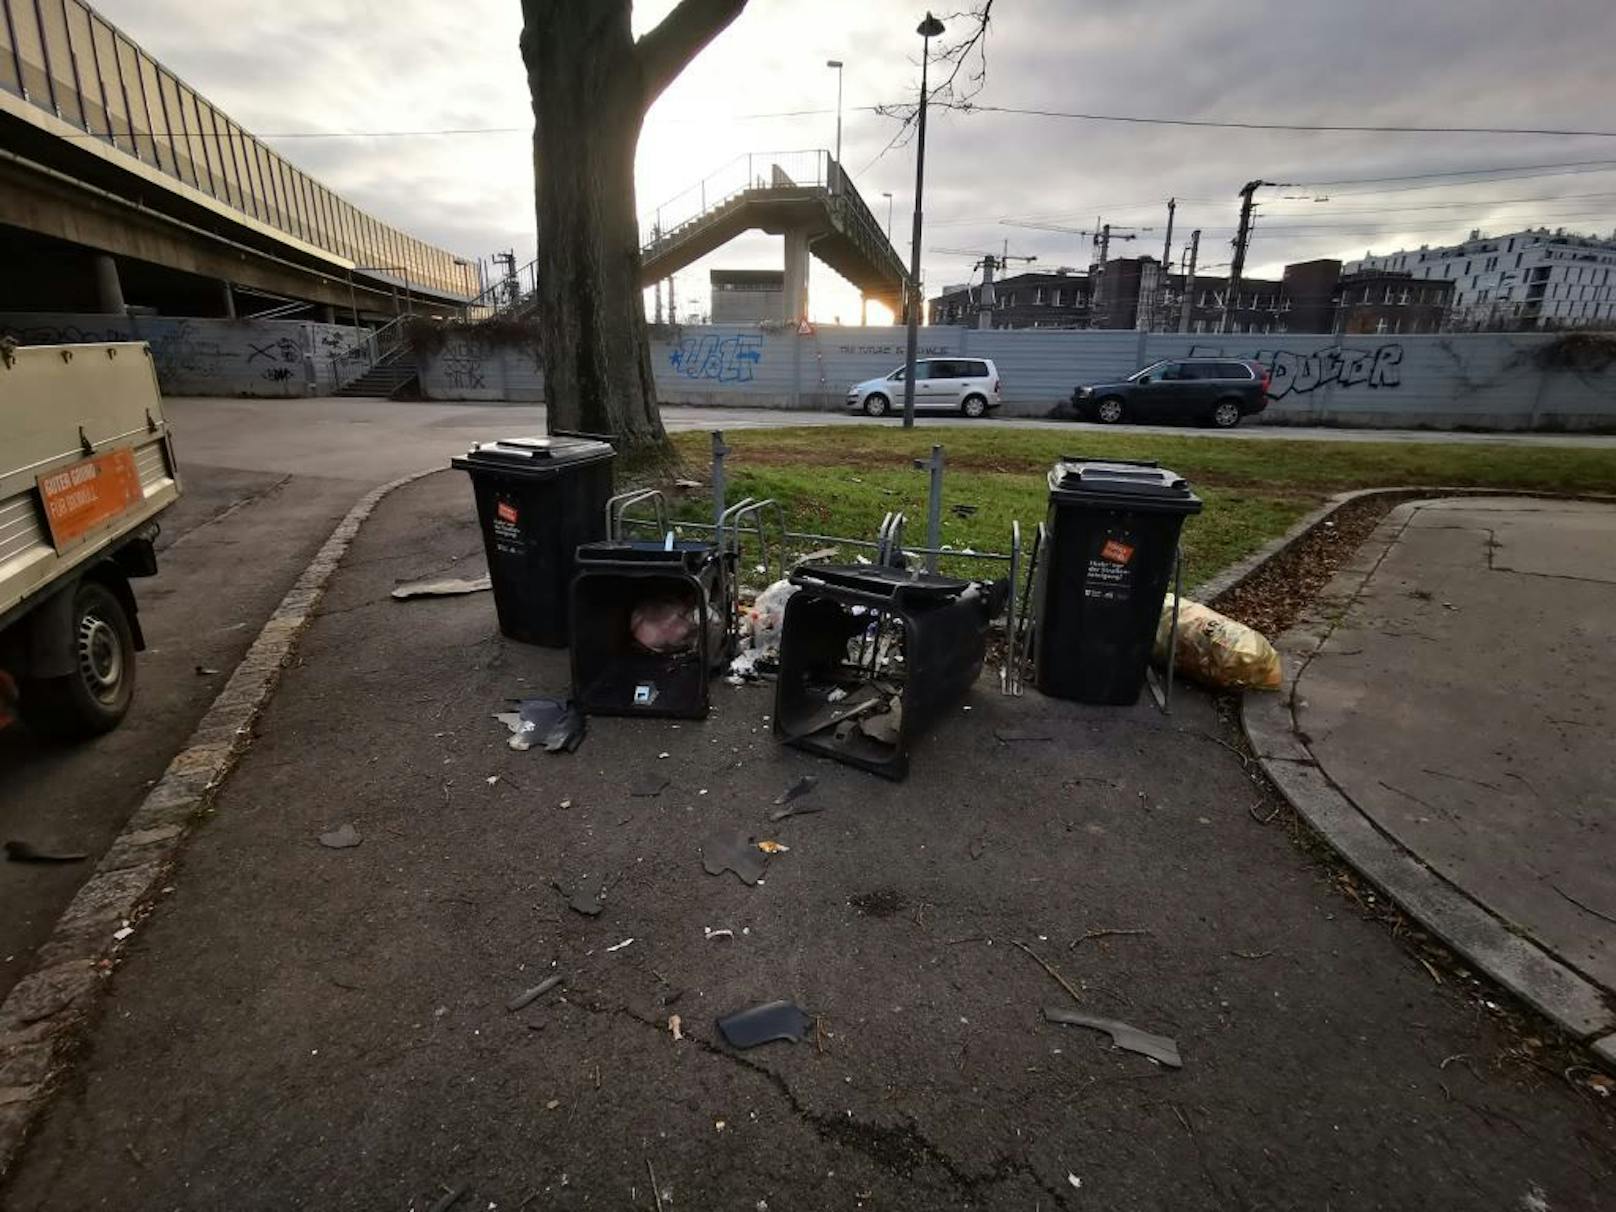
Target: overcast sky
{"points": [[421, 65]]}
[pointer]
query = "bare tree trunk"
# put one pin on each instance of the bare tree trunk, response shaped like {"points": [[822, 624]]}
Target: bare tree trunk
{"points": [[591, 84]]}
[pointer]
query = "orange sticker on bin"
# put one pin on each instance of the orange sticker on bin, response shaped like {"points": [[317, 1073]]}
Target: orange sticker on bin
{"points": [[84, 495], [1116, 552]]}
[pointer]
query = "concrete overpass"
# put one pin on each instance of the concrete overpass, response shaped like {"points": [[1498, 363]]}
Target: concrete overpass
{"points": [[804, 196], [121, 185]]}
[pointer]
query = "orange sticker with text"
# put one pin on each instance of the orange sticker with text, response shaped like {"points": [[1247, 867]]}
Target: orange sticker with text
{"points": [[85, 495], [1116, 552]]}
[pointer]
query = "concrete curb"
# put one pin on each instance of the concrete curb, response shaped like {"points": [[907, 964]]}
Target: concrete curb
{"points": [[38, 1014], [1529, 971]]}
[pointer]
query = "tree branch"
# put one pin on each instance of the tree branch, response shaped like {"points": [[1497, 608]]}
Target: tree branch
{"points": [[945, 95], [665, 51]]}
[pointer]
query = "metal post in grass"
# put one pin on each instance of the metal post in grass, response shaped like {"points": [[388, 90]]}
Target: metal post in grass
{"points": [[934, 505], [719, 451]]}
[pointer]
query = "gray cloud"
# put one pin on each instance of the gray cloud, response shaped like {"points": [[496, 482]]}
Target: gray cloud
{"points": [[418, 64]]}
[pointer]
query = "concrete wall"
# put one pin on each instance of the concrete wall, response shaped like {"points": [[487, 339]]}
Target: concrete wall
{"points": [[199, 357], [1470, 380]]}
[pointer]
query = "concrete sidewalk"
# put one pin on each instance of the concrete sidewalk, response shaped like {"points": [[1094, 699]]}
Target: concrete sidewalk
{"points": [[296, 1026], [1464, 701]]}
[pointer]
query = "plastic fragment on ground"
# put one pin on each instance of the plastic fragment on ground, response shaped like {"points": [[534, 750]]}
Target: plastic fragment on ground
{"points": [[1156, 1047], [764, 1024]]}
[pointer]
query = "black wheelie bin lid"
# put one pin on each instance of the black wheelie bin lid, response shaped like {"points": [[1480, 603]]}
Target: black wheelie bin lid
{"points": [[1138, 485], [539, 456]]}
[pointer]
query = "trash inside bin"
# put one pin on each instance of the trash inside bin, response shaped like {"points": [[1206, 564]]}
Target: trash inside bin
{"points": [[652, 623], [537, 499], [1113, 535], [870, 657]]}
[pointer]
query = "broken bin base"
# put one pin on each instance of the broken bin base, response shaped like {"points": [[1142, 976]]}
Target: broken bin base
{"points": [[870, 657]]}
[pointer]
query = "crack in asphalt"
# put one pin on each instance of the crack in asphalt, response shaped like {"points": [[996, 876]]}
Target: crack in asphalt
{"points": [[899, 1151]]}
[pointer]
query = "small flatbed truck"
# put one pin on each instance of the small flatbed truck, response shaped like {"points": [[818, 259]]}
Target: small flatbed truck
{"points": [[86, 468]]}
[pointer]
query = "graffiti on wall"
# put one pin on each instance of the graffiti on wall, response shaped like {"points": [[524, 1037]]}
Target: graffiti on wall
{"points": [[894, 351], [731, 359], [180, 351], [283, 349], [1300, 373], [61, 334], [462, 364]]}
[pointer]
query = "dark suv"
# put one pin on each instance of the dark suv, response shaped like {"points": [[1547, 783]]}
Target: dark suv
{"points": [[1219, 391]]}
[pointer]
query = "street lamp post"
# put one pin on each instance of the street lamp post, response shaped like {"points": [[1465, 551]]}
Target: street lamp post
{"points": [[888, 197], [928, 29], [837, 64]]}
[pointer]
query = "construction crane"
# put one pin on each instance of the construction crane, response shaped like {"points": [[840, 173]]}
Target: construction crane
{"points": [[988, 263]]}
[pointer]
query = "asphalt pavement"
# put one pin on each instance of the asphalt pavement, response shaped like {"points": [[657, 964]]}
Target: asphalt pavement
{"points": [[331, 1027], [229, 550], [1466, 700]]}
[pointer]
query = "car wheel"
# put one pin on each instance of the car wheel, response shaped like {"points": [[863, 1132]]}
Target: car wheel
{"points": [[974, 406], [1108, 411], [875, 405], [93, 699], [1226, 414]]}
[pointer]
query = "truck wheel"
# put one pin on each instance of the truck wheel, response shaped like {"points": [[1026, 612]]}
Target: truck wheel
{"points": [[93, 699]]}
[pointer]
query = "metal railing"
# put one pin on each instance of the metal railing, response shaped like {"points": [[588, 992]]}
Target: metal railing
{"points": [[506, 293], [759, 172], [367, 352]]}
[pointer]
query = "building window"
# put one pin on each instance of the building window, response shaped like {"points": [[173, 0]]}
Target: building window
{"points": [[1380, 325], [1038, 295], [1492, 264]]}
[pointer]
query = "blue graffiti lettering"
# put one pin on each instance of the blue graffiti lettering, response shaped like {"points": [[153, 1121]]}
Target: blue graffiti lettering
{"points": [[723, 360]]}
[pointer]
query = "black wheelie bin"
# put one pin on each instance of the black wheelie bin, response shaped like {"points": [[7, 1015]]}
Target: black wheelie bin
{"points": [[537, 500], [1112, 536]]}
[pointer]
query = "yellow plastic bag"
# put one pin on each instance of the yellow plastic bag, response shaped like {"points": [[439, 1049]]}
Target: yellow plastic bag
{"points": [[1215, 650]]}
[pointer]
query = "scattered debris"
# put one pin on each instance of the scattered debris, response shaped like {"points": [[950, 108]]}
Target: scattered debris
{"points": [[587, 896], [733, 850], [204, 671], [764, 1024], [122, 932], [656, 1191], [344, 837], [1061, 980], [663, 756], [822, 553], [557, 724], [1156, 1047], [723, 932], [448, 588], [800, 788], [451, 1197], [620, 946], [528, 996], [1251, 955], [674, 1027], [1074, 1180], [772, 847], [649, 787], [962, 510], [1430, 968], [22, 852], [886, 727], [491, 779]]}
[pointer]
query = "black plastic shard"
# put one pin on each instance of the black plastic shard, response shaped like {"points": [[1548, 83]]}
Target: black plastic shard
{"points": [[733, 850], [764, 1024]]}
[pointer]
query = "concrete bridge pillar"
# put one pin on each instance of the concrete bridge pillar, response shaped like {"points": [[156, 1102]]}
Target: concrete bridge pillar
{"points": [[108, 289], [227, 301], [795, 305]]}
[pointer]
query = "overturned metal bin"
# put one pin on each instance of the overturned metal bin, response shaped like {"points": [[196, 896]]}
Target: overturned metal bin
{"points": [[652, 622], [872, 656]]}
